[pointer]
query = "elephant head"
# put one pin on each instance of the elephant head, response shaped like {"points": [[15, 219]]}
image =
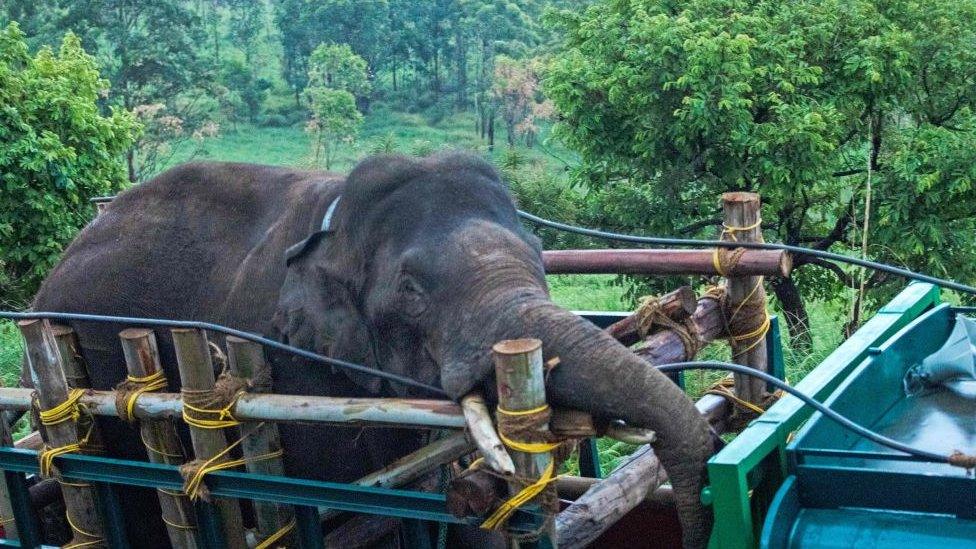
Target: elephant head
{"points": [[426, 266]]}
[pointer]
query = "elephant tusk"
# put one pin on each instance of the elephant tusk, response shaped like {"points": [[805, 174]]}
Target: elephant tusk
{"points": [[482, 430], [630, 435]]}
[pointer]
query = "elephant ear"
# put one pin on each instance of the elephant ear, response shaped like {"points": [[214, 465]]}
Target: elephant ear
{"points": [[316, 312]]}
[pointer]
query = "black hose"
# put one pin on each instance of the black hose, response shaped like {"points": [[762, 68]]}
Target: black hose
{"points": [[192, 324], [797, 250], [780, 384]]}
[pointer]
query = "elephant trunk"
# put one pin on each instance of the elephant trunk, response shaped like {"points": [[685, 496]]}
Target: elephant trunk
{"points": [[599, 375]]}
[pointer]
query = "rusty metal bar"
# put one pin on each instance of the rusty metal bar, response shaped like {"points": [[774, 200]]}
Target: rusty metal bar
{"points": [[663, 262]]}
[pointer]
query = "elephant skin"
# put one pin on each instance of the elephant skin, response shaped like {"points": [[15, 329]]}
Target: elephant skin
{"points": [[425, 266]]}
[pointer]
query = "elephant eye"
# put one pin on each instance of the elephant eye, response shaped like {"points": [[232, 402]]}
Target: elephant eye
{"points": [[412, 297]]}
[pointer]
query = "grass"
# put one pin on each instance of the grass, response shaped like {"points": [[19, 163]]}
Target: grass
{"points": [[383, 130]]}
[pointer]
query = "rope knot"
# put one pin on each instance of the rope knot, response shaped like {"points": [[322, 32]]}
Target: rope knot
{"points": [[966, 461], [128, 392], [214, 408]]}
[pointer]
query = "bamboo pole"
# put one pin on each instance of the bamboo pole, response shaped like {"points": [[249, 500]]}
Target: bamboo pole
{"points": [[413, 466], [246, 360], [482, 430], [342, 411], [160, 438], [521, 387], [47, 375], [77, 376], [662, 262], [677, 305], [742, 221], [197, 374]]}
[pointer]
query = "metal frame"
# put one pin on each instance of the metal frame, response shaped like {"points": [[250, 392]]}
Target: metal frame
{"points": [[107, 474], [745, 475]]}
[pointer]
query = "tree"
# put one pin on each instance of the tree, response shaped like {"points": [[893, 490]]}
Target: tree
{"points": [[336, 76], [336, 66], [670, 103], [58, 152], [516, 89]]}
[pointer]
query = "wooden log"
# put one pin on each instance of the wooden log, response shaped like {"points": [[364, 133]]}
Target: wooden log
{"points": [[361, 532], [662, 262], [475, 493], [418, 413], [742, 223], [197, 374], [31, 441], [70, 351], [47, 375], [677, 305], [414, 465], [630, 435], [482, 430], [246, 360], [567, 423], [521, 387], [666, 346], [160, 437], [572, 488], [77, 376], [608, 501]]}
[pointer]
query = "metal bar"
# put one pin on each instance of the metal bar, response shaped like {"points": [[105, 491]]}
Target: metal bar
{"points": [[112, 518], [27, 527], [774, 352], [662, 262], [855, 454], [309, 527], [228, 484], [589, 459]]}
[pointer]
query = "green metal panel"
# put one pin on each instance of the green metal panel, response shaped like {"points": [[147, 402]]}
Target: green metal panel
{"points": [[755, 460]]}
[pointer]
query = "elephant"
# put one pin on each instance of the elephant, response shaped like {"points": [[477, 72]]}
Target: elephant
{"points": [[420, 266]]}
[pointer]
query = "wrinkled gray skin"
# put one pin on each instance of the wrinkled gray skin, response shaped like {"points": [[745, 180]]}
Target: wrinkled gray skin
{"points": [[427, 267]]}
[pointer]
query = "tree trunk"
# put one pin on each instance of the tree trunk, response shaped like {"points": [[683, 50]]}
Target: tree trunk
{"points": [[795, 311], [491, 131], [130, 162]]}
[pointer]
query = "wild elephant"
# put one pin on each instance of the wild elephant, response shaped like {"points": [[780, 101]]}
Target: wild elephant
{"points": [[422, 267]]}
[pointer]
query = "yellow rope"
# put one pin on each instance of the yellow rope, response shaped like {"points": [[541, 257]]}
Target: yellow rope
{"points": [[729, 230], [277, 536], [152, 382], [224, 416], [726, 393], [502, 513], [760, 332], [67, 410], [532, 490], [195, 480], [537, 410], [157, 451], [96, 540], [180, 526], [6, 521]]}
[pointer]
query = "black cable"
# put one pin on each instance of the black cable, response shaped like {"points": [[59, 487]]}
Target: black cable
{"points": [[798, 250], [780, 384], [192, 324]]}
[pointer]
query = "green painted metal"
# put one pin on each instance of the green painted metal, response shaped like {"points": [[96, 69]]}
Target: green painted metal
{"points": [[307, 495], [755, 461], [775, 359], [589, 459], [845, 487]]}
